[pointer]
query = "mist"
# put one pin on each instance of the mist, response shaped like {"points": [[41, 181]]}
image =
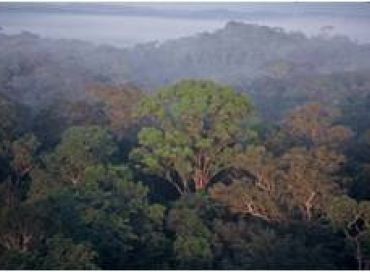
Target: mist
{"points": [[124, 25], [184, 136]]}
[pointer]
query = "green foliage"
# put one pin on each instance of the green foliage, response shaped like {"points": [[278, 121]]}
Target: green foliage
{"points": [[63, 254], [108, 177], [21, 159], [192, 244], [23, 152], [247, 199], [353, 219], [9, 118], [198, 127], [22, 229], [311, 177], [14, 260], [311, 125], [91, 144], [192, 252], [342, 211], [111, 214], [241, 244], [80, 148], [280, 201]]}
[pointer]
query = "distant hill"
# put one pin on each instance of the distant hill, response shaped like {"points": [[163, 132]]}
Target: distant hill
{"points": [[36, 70], [241, 52]]}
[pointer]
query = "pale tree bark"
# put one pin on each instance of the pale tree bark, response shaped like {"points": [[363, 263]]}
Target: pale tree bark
{"points": [[358, 253], [308, 206]]}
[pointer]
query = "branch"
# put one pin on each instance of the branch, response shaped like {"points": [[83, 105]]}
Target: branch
{"points": [[263, 186], [26, 171], [253, 211], [170, 180]]}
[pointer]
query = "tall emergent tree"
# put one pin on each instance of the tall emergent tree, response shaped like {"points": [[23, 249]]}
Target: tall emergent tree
{"points": [[257, 188], [314, 156], [198, 128]]}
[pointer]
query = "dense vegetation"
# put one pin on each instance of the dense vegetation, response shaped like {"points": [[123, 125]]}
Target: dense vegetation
{"points": [[37, 70], [193, 175]]}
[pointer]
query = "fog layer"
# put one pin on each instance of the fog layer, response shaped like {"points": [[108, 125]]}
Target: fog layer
{"points": [[128, 24]]}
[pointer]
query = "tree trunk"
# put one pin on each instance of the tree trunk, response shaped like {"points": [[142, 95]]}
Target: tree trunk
{"points": [[358, 254], [308, 206], [200, 179], [201, 175]]}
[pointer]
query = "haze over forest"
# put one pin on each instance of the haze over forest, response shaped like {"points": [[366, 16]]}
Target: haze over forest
{"points": [[125, 24], [185, 136]]}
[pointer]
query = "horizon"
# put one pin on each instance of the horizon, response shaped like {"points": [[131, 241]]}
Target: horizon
{"points": [[128, 24]]}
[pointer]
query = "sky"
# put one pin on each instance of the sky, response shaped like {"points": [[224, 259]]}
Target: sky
{"points": [[127, 24]]}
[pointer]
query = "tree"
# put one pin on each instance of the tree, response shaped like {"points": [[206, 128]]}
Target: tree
{"points": [[62, 253], [246, 199], [313, 125], [119, 105], [21, 228], [108, 214], [9, 117], [245, 243], [187, 220], [360, 158], [51, 121], [353, 219], [311, 157], [310, 178], [255, 189], [20, 160], [118, 220], [81, 147], [198, 127]]}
